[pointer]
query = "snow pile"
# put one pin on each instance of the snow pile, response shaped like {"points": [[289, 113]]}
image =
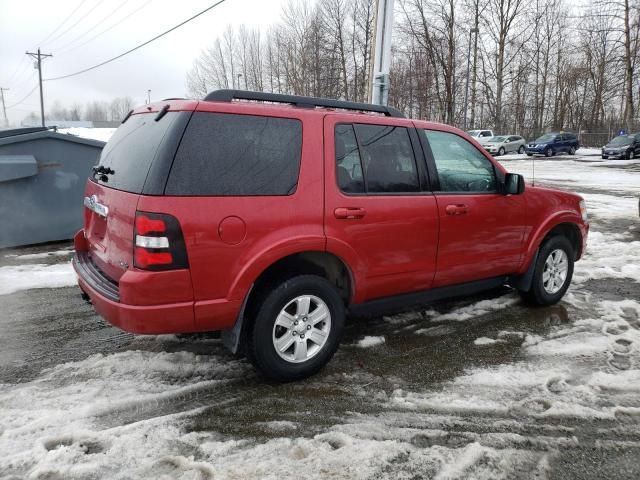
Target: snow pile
{"points": [[102, 134], [24, 277], [369, 341]]}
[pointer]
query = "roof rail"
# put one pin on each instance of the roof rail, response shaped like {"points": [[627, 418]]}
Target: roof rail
{"points": [[228, 95]]}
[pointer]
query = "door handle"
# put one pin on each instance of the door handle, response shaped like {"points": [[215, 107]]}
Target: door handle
{"points": [[459, 209], [349, 212]]}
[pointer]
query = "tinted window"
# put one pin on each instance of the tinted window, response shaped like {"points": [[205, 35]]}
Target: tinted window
{"points": [[387, 157], [131, 150], [226, 154], [348, 164], [485, 134], [461, 168]]}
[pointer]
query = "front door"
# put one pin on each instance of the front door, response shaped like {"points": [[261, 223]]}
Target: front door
{"points": [[379, 214], [481, 230]]}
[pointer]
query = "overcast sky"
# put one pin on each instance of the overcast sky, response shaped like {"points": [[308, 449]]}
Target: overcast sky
{"points": [[160, 66]]}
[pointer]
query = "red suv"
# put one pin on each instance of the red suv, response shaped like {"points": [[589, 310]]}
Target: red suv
{"points": [[268, 217]]}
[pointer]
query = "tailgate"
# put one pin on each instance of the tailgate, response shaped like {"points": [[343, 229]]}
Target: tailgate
{"points": [[109, 217]]}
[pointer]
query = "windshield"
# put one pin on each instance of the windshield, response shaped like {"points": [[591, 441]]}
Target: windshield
{"points": [[547, 137], [497, 139], [474, 133], [621, 140]]}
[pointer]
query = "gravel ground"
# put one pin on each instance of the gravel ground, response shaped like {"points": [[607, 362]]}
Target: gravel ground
{"points": [[482, 387]]}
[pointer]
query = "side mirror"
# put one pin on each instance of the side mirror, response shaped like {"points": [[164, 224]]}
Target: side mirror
{"points": [[513, 184]]}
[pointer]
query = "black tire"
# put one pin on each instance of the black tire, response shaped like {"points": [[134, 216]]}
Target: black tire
{"points": [[521, 150], [572, 151], [501, 151], [548, 152], [261, 349], [538, 295], [604, 157], [529, 154], [629, 154]]}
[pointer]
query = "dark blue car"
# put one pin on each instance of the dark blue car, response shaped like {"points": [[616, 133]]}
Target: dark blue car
{"points": [[550, 144]]}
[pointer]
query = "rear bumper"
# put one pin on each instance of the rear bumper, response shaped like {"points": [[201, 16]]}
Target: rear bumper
{"points": [[143, 319]]}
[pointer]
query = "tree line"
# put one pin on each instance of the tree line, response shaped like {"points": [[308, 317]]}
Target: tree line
{"points": [[95, 111], [517, 66]]}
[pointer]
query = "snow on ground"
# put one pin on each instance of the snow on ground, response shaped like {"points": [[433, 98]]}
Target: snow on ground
{"points": [[37, 256], [369, 341], [27, 276], [102, 134]]}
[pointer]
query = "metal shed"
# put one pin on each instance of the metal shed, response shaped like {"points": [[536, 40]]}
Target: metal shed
{"points": [[42, 179]]}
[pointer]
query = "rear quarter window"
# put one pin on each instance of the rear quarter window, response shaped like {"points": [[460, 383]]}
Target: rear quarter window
{"points": [[237, 155]]}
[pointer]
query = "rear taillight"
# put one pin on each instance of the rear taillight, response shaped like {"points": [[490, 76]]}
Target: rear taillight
{"points": [[159, 244]]}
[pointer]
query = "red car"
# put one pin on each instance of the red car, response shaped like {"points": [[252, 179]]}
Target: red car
{"points": [[268, 217]]}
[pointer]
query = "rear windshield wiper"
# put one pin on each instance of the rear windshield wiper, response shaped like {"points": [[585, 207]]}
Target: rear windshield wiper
{"points": [[103, 171]]}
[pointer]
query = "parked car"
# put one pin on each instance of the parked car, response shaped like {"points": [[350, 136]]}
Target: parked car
{"points": [[550, 144], [622, 146], [503, 144], [480, 135], [254, 214]]}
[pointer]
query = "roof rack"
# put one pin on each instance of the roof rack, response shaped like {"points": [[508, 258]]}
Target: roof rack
{"points": [[228, 95]]}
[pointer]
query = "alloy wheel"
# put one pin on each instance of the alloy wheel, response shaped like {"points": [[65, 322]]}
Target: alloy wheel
{"points": [[555, 271], [301, 329]]}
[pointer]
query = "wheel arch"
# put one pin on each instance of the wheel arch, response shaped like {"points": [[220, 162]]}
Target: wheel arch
{"points": [[308, 262]]}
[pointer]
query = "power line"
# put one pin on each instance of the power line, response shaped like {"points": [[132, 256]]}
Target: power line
{"points": [[138, 46], [61, 34], [108, 29], [63, 22], [93, 27], [24, 98]]}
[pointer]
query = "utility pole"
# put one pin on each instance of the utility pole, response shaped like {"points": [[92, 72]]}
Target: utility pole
{"points": [[4, 109], [148, 97], [379, 92], [38, 56]]}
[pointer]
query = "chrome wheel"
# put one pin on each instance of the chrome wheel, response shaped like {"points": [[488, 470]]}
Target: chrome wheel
{"points": [[301, 329], [555, 271]]}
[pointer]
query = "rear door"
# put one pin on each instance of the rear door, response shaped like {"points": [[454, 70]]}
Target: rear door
{"points": [[377, 204], [481, 230], [131, 159]]}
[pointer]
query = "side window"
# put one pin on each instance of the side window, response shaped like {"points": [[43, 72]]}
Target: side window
{"points": [[485, 134], [228, 154], [348, 164], [461, 167], [387, 158]]}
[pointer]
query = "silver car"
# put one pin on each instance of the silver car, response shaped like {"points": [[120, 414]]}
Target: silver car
{"points": [[503, 144]]}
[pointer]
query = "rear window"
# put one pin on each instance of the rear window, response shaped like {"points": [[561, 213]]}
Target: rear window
{"points": [[227, 155], [131, 150]]}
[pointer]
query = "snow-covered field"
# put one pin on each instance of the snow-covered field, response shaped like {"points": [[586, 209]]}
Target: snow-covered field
{"points": [[102, 134], [482, 387]]}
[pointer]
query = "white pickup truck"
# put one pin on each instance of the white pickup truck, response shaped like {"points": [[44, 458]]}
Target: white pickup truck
{"points": [[481, 135]]}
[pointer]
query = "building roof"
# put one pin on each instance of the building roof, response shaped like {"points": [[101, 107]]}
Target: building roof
{"points": [[19, 135]]}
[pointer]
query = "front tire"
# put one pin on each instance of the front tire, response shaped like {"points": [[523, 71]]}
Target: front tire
{"points": [[553, 272], [297, 328], [501, 151], [548, 152], [629, 154]]}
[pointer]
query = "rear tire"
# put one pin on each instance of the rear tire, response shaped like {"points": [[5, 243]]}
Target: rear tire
{"points": [[572, 151], [548, 152], [297, 328], [553, 272], [521, 150]]}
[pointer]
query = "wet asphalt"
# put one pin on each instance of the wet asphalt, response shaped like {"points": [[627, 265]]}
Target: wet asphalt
{"points": [[42, 328]]}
